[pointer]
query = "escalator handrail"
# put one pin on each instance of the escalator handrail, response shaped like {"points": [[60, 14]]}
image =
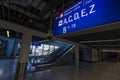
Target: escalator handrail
{"points": [[56, 57]]}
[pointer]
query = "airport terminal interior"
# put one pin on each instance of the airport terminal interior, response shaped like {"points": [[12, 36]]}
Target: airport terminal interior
{"points": [[59, 40]]}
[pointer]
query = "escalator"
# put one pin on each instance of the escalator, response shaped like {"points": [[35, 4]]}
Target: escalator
{"points": [[58, 57]]}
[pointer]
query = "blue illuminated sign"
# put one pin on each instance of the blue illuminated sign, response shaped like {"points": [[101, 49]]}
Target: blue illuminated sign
{"points": [[86, 14]]}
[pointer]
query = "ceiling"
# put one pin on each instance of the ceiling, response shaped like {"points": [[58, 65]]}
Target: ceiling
{"points": [[34, 14], [103, 40], [103, 35]]}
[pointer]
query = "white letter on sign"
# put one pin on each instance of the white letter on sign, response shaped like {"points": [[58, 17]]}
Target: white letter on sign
{"points": [[92, 8], [83, 14], [64, 29]]}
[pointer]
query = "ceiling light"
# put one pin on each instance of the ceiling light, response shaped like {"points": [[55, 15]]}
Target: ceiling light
{"points": [[8, 34], [99, 41], [106, 45]]}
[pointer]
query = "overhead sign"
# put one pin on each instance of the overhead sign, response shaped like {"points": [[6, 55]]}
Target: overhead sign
{"points": [[86, 14]]}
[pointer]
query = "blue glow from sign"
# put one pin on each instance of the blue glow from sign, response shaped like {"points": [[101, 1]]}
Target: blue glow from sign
{"points": [[36, 43], [86, 14]]}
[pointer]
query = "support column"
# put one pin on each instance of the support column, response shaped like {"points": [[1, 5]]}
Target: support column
{"points": [[94, 55], [23, 57], [77, 55]]}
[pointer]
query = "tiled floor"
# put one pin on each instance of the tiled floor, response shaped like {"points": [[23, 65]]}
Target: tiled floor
{"points": [[87, 71], [7, 69]]}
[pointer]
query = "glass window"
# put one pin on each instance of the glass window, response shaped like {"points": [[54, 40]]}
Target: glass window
{"points": [[43, 49], [46, 50]]}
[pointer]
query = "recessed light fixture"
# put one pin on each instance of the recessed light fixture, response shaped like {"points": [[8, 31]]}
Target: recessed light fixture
{"points": [[100, 41], [8, 33], [0, 42]]}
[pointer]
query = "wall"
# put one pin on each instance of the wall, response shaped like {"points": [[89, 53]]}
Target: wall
{"points": [[9, 46], [90, 55]]}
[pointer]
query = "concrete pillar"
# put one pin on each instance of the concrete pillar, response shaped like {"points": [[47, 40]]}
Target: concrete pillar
{"points": [[94, 55], [77, 55], [23, 57]]}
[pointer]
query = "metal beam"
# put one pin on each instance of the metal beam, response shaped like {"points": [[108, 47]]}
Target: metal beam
{"points": [[3, 10], [20, 10], [29, 7], [20, 28], [34, 11]]}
